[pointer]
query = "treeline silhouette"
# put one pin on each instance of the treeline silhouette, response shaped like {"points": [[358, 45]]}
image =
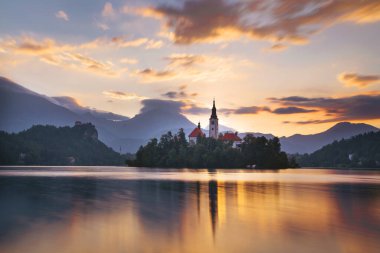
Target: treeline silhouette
{"points": [[174, 151], [50, 145], [360, 151]]}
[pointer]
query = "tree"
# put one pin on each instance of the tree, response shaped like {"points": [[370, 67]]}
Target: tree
{"points": [[175, 151]]}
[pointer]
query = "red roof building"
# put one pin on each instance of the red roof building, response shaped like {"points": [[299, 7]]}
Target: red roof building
{"points": [[231, 137], [195, 133]]}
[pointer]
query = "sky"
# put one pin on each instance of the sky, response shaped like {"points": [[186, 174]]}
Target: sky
{"points": [[276, 66]]}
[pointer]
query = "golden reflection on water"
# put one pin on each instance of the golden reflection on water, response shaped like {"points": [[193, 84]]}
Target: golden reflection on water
{"points": [[212, 216]]}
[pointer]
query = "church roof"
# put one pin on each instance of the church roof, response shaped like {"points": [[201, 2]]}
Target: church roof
{"points": [[196, 132], [230, 137]]}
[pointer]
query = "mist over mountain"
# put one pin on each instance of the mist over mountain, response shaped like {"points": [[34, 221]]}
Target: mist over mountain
{"points": [[71, 104], [21, 108]]}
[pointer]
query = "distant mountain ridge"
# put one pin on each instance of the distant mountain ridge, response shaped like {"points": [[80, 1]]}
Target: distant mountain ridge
{"points": [[21, 108], [301, 144], [360, 151]]}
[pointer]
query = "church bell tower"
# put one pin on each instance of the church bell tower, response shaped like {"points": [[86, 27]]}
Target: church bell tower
{"points": [[214, 125]]}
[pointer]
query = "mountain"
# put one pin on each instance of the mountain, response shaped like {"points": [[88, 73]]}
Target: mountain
{"points": [[360, 151], [21, 108], [147, 125], [309, 143], [50, 145]]}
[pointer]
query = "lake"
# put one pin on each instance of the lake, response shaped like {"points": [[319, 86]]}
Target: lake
{"points": [[114, 209]]}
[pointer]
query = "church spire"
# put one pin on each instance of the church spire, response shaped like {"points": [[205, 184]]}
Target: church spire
{"points": [[213, 126], [213, 111]]}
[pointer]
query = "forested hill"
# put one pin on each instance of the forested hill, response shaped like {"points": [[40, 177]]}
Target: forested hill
{"points": [[50, 145], [360, 151]]}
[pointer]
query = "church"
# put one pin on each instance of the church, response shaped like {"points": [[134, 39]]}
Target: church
{"points": [[213, 131]]}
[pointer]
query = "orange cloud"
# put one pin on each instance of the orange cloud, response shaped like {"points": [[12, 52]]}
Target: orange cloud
{"points": [[354, 79], [120, 95], [292, 21], [57, 54], [121, 41], [151, 75], [184, 60], [142, 11], [129, 61], [196, 68]]}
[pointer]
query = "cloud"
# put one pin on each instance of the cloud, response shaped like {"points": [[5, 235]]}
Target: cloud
{"points": [[151, 75], [120, 95], [184, 60], [198, 68], [192, 108], [122, 41], [62, 15], [142, 11], [159, 104], [180, 94], [293, 21], [277, 48], [351, 108], [292, 110], [62, 55], [66, 101], [245, 110], [93, 65], [129, 61], [354, 79], [31, 46], [175, 106], [108, 10]]}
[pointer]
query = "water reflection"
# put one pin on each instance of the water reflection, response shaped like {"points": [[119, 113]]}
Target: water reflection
{"points": [[90, 214]]}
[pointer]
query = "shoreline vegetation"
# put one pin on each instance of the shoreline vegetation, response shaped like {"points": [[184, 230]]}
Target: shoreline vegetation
{"points": [[174, 151]]}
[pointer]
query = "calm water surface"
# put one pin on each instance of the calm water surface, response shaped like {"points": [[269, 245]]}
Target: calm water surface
{"points": [[110, 209]]}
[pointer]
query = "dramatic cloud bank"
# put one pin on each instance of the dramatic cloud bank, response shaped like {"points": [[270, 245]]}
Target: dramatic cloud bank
{"points": [[359, 107], [292, 21]]}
